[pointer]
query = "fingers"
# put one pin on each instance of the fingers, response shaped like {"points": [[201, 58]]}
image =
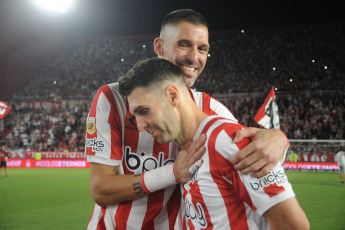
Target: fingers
{"points": [[248, 132], [196, 150], [188, 160], [198, 143], [195, 166], [241, 156], [247, 163], [263, 171]]}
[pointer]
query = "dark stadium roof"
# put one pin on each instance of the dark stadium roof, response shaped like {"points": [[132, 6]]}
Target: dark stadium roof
{"points": [[31, 38]]}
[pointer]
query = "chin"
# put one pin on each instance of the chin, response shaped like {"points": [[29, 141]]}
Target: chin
{"points": [[161, 141], [190, 81]]}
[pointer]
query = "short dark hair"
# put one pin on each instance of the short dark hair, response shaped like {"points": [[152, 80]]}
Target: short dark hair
{"points": [[147, 72], [187, 15]]}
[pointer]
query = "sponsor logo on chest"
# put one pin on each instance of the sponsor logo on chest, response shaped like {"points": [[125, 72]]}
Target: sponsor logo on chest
{"points": [[143, 161]]}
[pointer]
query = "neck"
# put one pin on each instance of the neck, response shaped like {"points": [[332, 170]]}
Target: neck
{"points": [[191, 117]]}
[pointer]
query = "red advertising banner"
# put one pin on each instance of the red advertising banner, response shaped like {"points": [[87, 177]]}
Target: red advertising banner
{"points": [[49, 163], [311, 166]]}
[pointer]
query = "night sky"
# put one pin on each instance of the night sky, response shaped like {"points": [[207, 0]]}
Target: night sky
{"points": [[31, 38]]}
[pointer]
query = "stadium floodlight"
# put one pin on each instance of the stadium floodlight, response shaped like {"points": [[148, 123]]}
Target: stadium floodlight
{"points": [[55, 5]]}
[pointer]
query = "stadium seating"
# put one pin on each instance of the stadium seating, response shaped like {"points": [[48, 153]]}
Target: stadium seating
{"points": [[305, 64]]}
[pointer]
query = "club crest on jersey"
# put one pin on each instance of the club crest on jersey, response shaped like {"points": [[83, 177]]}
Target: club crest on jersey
{"points": [[91, 127]]}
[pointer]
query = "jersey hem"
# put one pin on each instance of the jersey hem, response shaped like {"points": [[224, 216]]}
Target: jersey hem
{"points": [[100, 160]]}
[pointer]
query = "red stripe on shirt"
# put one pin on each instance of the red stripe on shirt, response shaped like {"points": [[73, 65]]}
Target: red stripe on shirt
{"points": [[92, 113], [115, 124], [122, 214], [101, 224], [206, 104], [234, 195], [131, 133], [154, 207], [197, 199], [173, 206]]}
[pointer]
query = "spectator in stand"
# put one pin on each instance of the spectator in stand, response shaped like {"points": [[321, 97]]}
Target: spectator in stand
{"points": [[293, 157], [3, 160], [340, 159], [311, 106]]}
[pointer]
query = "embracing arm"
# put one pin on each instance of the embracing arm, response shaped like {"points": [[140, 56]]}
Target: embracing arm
{"points": [[287, 215], [266, 149], [109, 188]]}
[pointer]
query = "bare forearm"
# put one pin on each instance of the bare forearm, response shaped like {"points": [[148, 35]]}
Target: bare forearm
{"points": [[110, 189], [287, 215]]}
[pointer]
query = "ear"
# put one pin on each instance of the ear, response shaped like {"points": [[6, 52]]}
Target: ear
{"points": [[158, 46], [173, 94]]}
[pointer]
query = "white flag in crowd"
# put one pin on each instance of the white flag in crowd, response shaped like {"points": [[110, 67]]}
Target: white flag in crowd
{"points": [[4, 109], [268, 116]]}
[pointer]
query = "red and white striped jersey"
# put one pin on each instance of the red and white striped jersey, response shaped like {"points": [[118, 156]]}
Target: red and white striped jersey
{"points": [[113, 139], [218, 196]]}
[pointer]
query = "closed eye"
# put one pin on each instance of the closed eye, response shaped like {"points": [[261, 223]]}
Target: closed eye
{"points": [[143, 112]]}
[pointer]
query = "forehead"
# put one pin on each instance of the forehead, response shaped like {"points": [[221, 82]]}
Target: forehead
{"points": [[186, 31], [139, 97]]}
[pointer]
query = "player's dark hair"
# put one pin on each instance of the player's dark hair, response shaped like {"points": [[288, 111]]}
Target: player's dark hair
{"points": [[147, 73], [187, 15]]}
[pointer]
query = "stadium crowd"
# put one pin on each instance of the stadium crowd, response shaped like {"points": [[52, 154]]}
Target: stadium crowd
{"points": [[305, 65]]}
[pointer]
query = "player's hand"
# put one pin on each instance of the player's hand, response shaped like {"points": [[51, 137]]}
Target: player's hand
{"points": [[188, 160], [265, 150]]}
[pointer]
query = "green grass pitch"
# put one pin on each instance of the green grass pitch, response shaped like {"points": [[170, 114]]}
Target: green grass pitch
{"points": [[60, 199]]}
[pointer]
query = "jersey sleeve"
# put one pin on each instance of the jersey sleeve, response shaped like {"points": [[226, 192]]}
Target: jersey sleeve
{"points": [[103, 142], [259, 193], [211, 106]]}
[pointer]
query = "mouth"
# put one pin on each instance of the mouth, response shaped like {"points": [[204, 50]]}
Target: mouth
{"points": [[151, 131], [189, 69]]}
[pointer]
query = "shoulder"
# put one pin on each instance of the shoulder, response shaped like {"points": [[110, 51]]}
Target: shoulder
{"points": [[222, 131], [111, 93]]}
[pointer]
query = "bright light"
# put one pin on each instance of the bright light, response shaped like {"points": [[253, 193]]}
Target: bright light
{"points": [[325, 67], [55, 5], [144, 46], [274, 68], [313, 61], [242, 31], [290, 79], [208, 55], [122, 59]]}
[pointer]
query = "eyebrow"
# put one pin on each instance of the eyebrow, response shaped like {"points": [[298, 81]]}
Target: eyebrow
{"points": [[136, 110]]}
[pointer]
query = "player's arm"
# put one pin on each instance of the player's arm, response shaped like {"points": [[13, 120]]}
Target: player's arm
{"points": [[287, 215], [266, 149], [108, 188]]}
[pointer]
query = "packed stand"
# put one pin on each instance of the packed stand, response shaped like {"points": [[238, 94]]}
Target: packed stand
{"points": [[305, 64]]}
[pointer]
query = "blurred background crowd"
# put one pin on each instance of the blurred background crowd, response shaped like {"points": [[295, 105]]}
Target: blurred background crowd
{"points": [[305, 64]]}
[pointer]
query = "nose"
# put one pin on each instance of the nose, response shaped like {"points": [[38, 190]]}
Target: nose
{"points": [[142, 125], [193, 54]]}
